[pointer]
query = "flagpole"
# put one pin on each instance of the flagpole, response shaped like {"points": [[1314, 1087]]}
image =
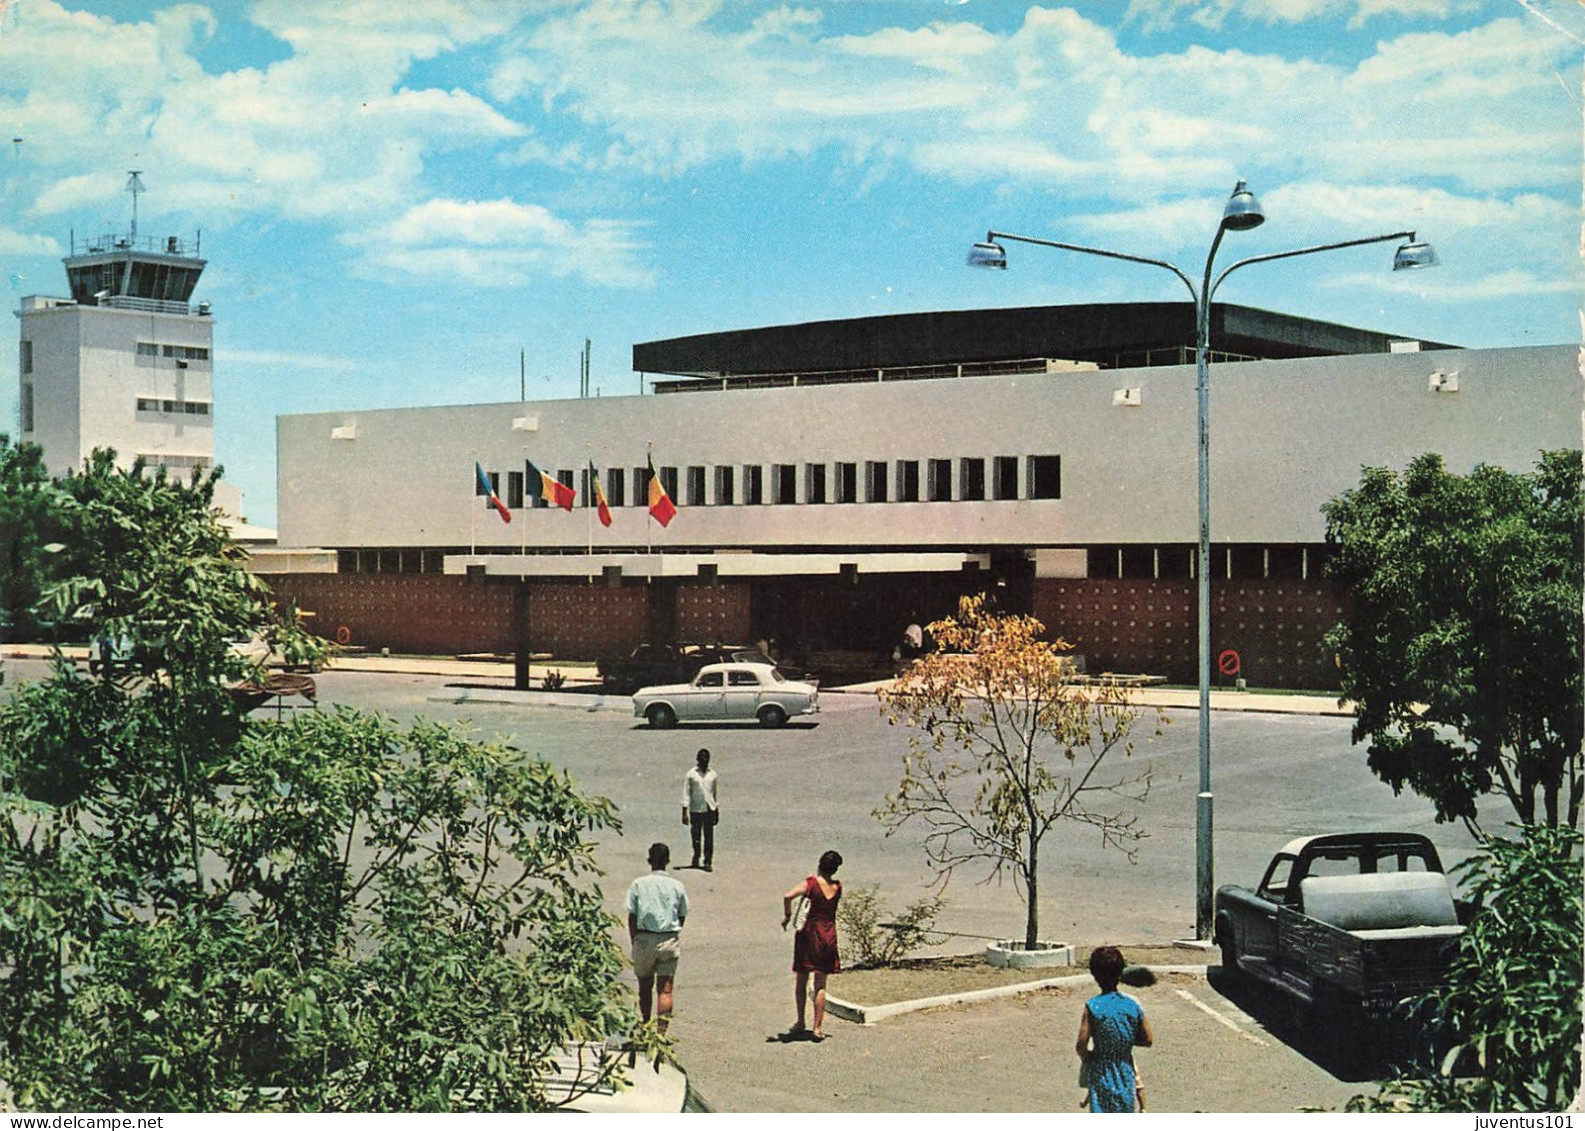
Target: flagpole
{"points": [[649, 516], [588, 505], [473, 525]]}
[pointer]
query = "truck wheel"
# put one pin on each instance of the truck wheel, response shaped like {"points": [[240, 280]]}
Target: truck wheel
{"points": [[772, 717], [661, 716]]}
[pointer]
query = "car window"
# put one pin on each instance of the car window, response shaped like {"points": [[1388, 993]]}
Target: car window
{"points": [[776, 676], [1408, 861], [710, 679], [1275, 886], [1335, 865], [743, 679]]}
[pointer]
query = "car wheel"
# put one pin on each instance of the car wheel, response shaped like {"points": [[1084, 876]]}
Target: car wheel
{"points": [[772, 717], [661, 716], [1229, 954]]}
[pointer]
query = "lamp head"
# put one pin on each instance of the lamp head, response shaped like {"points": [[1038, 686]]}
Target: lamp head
{"points": [[988, 255], [1414, 254], [1242, 211]]}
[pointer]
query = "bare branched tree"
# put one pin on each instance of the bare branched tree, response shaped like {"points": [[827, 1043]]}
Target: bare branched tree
{"points": [[1009, 741]]}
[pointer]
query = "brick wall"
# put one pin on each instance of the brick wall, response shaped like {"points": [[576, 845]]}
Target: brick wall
{"points": [[424, 613], [718, 612], [587, 621], [1124, 626], [1150, 627]]}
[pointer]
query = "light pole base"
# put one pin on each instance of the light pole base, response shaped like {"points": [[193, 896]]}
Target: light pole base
{"points": [[1204, 922]]}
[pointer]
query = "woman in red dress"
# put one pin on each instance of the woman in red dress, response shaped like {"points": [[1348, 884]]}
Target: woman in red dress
{"points": [[815, 943]]}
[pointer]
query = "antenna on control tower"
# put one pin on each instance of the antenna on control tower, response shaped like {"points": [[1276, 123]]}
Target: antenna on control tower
{"points": [[135, 186]]}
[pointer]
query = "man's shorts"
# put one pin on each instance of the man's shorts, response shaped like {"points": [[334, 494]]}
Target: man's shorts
{"points": [[655, 954]]}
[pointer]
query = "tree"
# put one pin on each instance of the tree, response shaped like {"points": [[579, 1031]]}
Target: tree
{"points": [[201, 912], [1511, 1003], [1460, 645], [27, 501], [1008, 743]]}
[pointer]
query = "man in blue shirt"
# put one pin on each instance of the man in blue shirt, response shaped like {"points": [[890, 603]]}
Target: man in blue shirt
{"points": [[657, 907]]}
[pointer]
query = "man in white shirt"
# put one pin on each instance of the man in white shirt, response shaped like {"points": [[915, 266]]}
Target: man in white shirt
{"points": [[657, 907], [700, 809]]}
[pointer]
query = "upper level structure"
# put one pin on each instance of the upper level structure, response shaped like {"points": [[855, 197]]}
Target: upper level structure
{"points": [[129, 272], [978, 343]]}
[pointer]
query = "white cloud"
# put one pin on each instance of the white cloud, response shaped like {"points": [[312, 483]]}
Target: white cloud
{"points": [[1158, 14], [1481, 288], [502, 243], [25, 243], [1056, 101], [325, 133], [274, 359], [345, 130]]}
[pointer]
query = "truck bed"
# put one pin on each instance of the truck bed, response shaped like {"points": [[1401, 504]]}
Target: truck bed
{"points": [[1376, 965], [1378, 937]]}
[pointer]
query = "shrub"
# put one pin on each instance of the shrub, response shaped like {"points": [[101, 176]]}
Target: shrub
{"points": [[1512, 997], [878, 940], [554, 680]]}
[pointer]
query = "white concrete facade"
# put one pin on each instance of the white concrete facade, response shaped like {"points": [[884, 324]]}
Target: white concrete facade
{"points": [[138, 381], [1286, 436]]}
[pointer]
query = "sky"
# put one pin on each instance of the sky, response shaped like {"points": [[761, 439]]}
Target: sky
{"points": [[410, 203]]}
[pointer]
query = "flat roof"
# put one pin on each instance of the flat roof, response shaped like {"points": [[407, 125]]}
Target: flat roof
{"points": [[1107, 335]]}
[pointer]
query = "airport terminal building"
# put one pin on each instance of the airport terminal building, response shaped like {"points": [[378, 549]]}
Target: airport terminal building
{"points": [[837, 481]]}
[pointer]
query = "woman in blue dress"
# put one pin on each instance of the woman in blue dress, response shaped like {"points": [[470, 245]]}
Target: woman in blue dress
{"points": [[1112, 1025]]}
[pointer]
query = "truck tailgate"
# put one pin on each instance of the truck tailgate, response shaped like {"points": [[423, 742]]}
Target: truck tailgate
{"points": [[1377, 966]]}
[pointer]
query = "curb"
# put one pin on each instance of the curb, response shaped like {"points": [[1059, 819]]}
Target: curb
{"points": [[870, 1014]]}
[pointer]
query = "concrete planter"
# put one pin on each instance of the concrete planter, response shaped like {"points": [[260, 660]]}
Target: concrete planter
{"points": [[1011, 952]]}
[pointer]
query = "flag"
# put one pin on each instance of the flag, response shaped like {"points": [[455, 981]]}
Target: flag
{"points": [[488, 491], [661, 508], [600, 504], [553, 491]]}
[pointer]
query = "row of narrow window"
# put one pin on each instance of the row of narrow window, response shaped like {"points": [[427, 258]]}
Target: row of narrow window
{"points": [[967, 479], [178, 408], [1241, 562], [1229, 561], [183, 353]]}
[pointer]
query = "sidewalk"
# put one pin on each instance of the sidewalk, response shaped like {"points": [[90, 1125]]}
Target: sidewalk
{"points": [[1282, 703], [490, 680]]}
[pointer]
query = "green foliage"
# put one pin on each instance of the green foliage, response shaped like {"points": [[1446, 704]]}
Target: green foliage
{"points": [[336, 913], [145, 561], [1007, 743], [294, 646], [876, 937], [27, 516], [1461, 643], [1512, 1000]]}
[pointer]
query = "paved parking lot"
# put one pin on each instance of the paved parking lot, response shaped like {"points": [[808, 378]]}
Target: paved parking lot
{"points": [[1016, 1054]]}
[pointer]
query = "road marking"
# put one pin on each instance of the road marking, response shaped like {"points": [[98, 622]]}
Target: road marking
{"points": [[1228, 1021]]}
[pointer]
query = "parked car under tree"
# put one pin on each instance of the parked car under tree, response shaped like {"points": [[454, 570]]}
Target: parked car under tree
{"points": [[728, 692]]}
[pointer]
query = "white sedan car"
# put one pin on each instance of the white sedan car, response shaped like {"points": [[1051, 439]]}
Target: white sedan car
{"points": [[728, 692]]}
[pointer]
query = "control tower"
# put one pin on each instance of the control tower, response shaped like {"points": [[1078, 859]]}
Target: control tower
{"points": [[125, 362]]}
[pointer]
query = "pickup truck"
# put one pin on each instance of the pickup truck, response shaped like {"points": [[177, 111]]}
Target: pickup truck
{"points": [[1351, 921]]}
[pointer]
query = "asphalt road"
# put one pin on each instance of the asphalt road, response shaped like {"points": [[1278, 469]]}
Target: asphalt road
{"points": [[787, 795]]}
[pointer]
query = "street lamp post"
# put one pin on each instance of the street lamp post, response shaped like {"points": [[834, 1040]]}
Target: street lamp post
{"points": [[1241, 213]]}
